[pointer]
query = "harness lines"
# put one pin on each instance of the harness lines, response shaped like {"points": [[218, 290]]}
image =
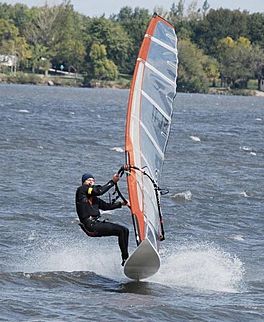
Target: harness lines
{"points": [[157, 189]]}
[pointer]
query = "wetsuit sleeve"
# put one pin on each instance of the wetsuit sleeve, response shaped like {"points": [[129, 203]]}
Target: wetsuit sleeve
{"points": [[108, 206], [100, 190]]}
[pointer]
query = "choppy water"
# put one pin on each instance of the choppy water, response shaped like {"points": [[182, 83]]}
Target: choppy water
{"points": [[212, 259]]}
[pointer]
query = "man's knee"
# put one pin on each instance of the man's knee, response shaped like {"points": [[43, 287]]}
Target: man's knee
{"points": [[122, 230], [126, 231]]}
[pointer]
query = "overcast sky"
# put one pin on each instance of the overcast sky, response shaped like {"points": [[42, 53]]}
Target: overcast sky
{"points": [[99, 7]]}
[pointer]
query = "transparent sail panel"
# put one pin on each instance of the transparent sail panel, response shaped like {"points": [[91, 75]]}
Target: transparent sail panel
{"points": [[159, 90], [156, 124], [151, 154], [150, 205], [166, 34], [163, 60]]}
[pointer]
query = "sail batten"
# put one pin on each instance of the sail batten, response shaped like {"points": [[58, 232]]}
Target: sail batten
{"points": [[156, 105], [146, 164], [161, 43], [152, 140], [164, 77]]}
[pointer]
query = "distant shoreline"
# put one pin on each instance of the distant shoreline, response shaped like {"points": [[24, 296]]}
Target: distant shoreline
{"points": [[241, 92], [41, 80]]}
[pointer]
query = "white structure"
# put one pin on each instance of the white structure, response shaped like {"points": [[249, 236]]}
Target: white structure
{"points": [[262, 84], [8, 61]]}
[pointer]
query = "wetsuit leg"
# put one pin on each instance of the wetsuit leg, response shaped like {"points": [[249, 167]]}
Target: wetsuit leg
{"points": [[111, 229]]}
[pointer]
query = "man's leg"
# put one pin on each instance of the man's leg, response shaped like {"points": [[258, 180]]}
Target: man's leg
{"points": [[111, 229]]}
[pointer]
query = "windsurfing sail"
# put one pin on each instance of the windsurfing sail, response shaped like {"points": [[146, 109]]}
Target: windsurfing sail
{"points": [[148, 122]]}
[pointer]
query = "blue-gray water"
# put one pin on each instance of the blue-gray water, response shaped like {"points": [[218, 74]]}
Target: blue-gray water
{"points": [[212, 258]]}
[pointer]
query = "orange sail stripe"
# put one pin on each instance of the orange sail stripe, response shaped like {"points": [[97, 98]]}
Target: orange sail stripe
{"points": [[131, 179]]}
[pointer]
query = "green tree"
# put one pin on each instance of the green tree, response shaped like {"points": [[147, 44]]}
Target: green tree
{"points": [[236, 61], [101, 67], [116, 41], [134, 23], [19, 14], [193, 12], [256, 28], [257, 58], [192, 74], [40, 28], [60, 30], [218, 24], [8, 31], [45, 64], [205, 8], [69, 46], [211, 69], [181, 22], [5, 11], [38, 53], [176, 13], [11, 43]]}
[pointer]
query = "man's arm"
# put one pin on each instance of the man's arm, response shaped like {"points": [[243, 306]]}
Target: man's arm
{"points": [[100, 190], [108, 206]]}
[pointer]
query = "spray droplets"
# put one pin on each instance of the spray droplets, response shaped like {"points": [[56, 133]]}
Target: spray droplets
{"points": [[203, 267]]}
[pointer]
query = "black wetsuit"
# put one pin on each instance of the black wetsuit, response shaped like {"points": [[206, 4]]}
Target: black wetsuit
{"points": [[88, 205]]}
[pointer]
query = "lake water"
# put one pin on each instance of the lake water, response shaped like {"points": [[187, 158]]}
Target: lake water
{"points": [[212, 258]]}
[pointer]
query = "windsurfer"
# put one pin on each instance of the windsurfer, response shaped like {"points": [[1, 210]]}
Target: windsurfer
{"points": [[88, 207]]}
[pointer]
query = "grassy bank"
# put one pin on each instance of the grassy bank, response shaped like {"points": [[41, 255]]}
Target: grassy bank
{"points": [[39, 79], [230, 91]]}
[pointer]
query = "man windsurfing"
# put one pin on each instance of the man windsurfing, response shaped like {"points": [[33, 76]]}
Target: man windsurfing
{"points": [[88, 207]]}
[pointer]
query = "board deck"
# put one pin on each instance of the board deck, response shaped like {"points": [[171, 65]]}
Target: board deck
{"points": [[143, 262]]}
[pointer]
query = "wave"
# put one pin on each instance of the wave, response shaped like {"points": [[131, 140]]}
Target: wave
{"points": [[249, 150], [203, 267], [237, 237], [195, 138], [117, 149], [182, 196], [244, 194], [53, 278]]}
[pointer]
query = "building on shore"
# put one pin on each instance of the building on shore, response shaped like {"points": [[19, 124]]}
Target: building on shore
{"points": [[8, 61], [261, 85]]}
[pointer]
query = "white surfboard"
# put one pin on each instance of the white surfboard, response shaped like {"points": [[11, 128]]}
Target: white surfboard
{"points": [[143, 262]]}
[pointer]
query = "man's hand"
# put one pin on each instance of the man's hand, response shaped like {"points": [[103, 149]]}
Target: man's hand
{"points": [[127, 203], [115, 178]]}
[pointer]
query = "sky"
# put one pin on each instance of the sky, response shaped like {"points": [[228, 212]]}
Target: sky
{"points": [[99, 7]]}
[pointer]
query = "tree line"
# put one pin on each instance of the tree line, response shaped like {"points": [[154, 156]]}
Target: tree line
{"points": [[213, 45]]}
